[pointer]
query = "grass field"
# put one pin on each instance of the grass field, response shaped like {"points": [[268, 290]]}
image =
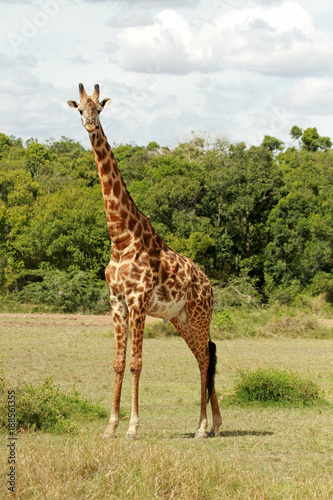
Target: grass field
{"points": [[263, 453]]}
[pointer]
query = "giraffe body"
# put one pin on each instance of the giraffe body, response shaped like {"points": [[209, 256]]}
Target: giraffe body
{"points": [[145, 276]]}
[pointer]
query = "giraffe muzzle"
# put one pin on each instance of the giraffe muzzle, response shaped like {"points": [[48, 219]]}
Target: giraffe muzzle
{"points": [[90, 124]]}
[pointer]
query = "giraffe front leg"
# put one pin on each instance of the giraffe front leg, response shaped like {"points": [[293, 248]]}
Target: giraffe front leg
{"points": [[137, 324], [120, 319], [117, 385]]}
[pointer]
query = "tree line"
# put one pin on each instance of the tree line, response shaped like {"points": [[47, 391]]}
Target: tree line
{"points": [[263, 213]]}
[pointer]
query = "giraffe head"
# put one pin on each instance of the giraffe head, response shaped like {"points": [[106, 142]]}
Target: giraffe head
{"points": [[89, 107]]}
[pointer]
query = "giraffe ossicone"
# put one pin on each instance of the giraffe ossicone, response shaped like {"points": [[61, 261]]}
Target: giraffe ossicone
{"points": [[145, 276]]}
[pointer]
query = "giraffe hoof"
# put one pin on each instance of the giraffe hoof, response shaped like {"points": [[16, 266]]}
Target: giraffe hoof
{"points": [[133, 437], [200, 435], [106, 435], [212, 433]]}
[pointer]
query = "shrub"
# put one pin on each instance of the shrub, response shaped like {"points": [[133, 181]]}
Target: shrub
{"points": [[238, 292], [46, 408], [80, 292], [223, 320], [273, 386], [323, 283], [286, 293], [159, 329]]}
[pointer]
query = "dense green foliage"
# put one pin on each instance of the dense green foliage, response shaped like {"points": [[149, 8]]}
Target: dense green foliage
{"points": [[46, 408], [260, 215], [272, 386]]}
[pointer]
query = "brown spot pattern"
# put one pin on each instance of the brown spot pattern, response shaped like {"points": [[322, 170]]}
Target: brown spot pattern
{"points": [[106, 188], [116, 189], [107, 167]]}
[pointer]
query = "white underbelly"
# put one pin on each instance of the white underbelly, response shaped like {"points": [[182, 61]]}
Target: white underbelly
{"points": [[165, 310]]}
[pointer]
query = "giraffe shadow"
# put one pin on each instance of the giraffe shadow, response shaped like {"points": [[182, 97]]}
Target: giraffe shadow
{"points": [[245, 433], [191, 435]]}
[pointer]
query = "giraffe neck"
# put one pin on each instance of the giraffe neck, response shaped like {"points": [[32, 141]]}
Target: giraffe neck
{"points": [[121, 213]]}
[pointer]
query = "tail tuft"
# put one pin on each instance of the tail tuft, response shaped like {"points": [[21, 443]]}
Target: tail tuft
{"points": [[211, 368]]}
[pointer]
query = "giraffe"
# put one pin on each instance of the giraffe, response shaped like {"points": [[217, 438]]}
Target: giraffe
{"points": [[146, 277]]}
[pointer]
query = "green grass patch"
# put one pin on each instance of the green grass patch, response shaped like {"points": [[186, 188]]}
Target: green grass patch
{"points": [[159, 330], [46, 408], [9, 305], [239, 314], [271, 321], [277, 387]]}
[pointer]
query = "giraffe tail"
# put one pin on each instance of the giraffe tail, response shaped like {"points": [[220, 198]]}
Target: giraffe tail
{"points": [[211, 368]]}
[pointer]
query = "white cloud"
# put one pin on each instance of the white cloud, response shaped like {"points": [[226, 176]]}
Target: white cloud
{"points": [[5, 62], [317, 7], [163, 101], [274, 41], [279, 40], [80, 60], [25, 2], [29, 107], [239, 68], [310, 95], [133, 17], [159, 3], [159, 47], [240, 106]]}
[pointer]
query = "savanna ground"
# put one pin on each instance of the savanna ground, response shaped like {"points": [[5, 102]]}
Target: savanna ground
{"points": [[263, 452]]}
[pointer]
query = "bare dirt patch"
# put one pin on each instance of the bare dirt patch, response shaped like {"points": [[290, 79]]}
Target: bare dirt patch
{"points": [[63, 319]]}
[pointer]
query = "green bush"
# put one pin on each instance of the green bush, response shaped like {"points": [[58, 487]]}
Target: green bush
{"points": [[323, 283], [286, 293], [46, 408], [159, 329], [62, 292], [238, 292], [271, 386], [223, 320]]}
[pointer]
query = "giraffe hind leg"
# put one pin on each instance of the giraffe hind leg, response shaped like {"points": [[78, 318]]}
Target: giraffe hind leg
{"points": [[196, 335], [211, 392], [199, 314], [217, 419], [197, 342]]}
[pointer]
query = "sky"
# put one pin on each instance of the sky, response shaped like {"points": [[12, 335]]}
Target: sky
{"points": [[237, 69]]}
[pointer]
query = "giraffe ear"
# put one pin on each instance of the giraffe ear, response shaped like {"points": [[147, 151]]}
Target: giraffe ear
{"points": [[73, 104], [105, 103]]}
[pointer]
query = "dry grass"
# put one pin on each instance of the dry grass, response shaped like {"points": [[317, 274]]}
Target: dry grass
{"points": [[262, 453], [243, 466], [265, 323]]}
